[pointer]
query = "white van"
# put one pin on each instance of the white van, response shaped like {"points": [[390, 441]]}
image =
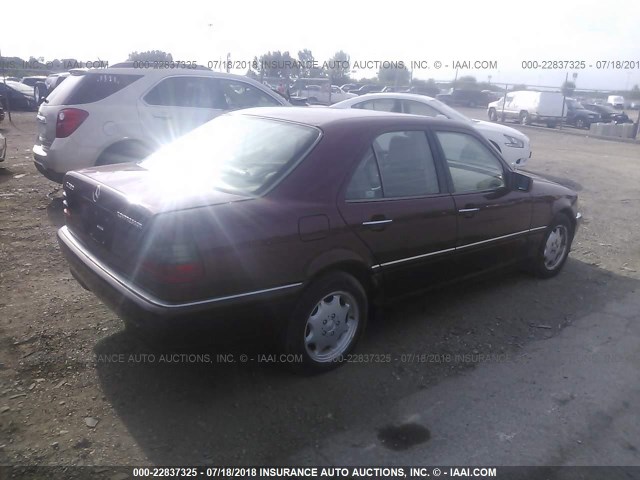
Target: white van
{"points": [[528, 107], [616, 101]]}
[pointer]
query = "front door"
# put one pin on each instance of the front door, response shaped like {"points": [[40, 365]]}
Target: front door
{"points": [[493, 218]]}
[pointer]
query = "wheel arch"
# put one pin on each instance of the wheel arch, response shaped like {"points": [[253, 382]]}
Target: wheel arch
{"points": [[122, 143]]}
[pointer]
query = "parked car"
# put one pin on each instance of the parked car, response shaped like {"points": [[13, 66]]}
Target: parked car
{"points": [[121, 114], [634, 105], [3, 147], [616, 101], [31, 81], [395, 89], [465, 98], [512, 144], [324, 94], [579, 116], [16, 96], [527, 107], [1, 111], [369, 88], [428, 90], [308, 215], [609, 114], [44, 87], [347, 87]]}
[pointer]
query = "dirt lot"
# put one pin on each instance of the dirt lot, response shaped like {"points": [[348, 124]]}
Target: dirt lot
{"points": [[67, 398]]}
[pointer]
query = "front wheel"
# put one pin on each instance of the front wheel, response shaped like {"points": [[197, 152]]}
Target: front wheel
{"points": [[327, 322], [493, 115], [554, 248], [525, 119], [580, 123]]}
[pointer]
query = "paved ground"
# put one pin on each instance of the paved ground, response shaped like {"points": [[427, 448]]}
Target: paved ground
{"points": [[509, 370]]}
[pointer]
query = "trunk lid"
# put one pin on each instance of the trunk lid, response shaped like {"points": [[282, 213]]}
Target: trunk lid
{"points": [[111, 209]]}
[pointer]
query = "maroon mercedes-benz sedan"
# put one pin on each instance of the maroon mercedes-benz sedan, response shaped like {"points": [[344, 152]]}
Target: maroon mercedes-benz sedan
{"points": [[315, 213]]}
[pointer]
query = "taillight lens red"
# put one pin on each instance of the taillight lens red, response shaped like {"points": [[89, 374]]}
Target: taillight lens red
{"points": [[69, 119], [174, 263]]}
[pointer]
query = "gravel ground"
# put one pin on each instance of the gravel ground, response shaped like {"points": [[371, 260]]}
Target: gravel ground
{"points": [[76, 389]]}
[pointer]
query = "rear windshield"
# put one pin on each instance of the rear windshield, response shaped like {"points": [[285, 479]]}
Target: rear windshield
{"points": [[89, 88], [234, 153]]}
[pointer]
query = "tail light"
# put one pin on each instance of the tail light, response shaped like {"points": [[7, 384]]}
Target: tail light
{"points": [[69, 119], [174, 262]]}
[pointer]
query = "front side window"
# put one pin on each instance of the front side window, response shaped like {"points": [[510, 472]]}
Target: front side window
{"points": [[242, 95], [398, 165], [380, 105], [472, 165]]}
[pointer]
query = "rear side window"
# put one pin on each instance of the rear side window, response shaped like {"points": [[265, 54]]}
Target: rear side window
{"points": [[78, 90], [398, 165], [188, 91]]}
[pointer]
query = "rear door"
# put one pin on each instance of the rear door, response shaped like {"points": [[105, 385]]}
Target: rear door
{"points": [[397, 204], [493, 218]]}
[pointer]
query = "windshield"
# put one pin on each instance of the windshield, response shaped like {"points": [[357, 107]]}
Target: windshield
{"points": [[235, 153]]}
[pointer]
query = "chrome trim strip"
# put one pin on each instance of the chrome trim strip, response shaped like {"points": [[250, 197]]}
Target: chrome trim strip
{"points": [[467, 210], [64, 232], [438, 252], [377, 222], [492, 239], [416, 257]]}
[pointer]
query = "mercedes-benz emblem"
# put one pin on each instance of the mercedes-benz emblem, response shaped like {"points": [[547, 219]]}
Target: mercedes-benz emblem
{"points": [[96, 194]]}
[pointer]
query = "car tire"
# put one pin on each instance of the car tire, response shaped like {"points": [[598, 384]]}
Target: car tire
{"points": [[493, 115], [525, 118], [326, 323], [39, 93], [580, 123], [122, 153], [554, 248]]}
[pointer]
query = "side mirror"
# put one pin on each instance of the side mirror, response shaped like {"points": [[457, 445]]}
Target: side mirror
{"points": [[518, 181]]}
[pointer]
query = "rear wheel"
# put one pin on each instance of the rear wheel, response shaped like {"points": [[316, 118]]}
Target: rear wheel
{"points": [[580, 123], [525, 118], [554, 248], [327, 322]]}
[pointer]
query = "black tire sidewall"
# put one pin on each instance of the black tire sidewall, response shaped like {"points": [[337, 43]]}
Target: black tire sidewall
{"points": [[316, 291], [539, 267]]}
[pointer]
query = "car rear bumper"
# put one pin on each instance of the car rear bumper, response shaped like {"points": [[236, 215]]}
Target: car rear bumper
{"points": [[142, 309]]}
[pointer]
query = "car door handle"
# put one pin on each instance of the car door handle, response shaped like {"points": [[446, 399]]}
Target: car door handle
{"points": [[468, 212], [163, 116], [377, 222]]}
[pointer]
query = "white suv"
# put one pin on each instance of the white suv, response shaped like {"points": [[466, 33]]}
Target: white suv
{"points": [[122, 114]]}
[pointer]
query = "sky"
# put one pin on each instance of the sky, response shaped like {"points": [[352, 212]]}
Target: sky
{"points": [[507, 32]]}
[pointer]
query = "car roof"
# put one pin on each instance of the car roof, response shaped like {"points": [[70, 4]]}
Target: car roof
{"points": [[163, 72], [323, 117], [396, 96]]}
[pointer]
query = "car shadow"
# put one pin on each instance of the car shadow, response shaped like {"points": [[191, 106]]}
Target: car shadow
{"points": [[55, 212], [205, 405], [5, 174]]}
